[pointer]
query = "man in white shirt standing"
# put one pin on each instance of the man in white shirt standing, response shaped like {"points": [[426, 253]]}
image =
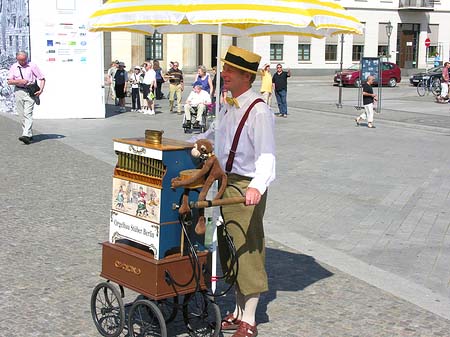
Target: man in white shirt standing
{"points": [[198, 98], [149, 85]]}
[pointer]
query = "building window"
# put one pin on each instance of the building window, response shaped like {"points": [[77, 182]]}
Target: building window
{"points": [[276, 51], [357, 52], [382, 51], [432, 50], [304, 52], [331, 52], [154, 47]]}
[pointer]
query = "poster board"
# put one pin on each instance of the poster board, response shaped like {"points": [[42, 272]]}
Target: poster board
{"points": [[370, 66], [70, 57]]}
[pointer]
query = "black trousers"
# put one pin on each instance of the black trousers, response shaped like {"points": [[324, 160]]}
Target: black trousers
{"points": [[135, 99]]}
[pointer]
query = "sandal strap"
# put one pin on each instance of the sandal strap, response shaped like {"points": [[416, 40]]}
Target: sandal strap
{"points": [[230, 322], [246, 330]]}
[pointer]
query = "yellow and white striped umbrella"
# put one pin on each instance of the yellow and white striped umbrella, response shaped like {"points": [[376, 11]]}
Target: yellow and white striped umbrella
{"points": [[314, 18]]}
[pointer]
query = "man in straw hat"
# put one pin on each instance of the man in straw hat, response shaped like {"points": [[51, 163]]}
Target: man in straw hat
{"points": [[251, 168]]}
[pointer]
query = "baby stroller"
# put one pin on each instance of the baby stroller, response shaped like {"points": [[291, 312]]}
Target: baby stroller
{"points": [[202, 126]]}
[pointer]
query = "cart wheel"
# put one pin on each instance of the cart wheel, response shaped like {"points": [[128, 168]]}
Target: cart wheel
{"points": [[201, 315], [168, 308], [146, 320], [107, 310]]}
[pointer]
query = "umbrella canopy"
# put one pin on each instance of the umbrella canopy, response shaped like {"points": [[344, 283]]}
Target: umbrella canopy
{"points": [[314, 18]]}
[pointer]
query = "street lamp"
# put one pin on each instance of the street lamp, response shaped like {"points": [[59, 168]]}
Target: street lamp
{"points": [[389, 33]]}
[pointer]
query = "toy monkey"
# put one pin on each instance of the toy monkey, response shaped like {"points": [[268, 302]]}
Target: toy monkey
{"points": [[211, 171]]}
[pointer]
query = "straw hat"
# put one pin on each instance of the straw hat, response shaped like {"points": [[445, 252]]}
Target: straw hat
{"points": [[242, 59]]}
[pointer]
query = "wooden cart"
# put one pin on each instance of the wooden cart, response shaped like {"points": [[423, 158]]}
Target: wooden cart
{"points": [[145, 249]]}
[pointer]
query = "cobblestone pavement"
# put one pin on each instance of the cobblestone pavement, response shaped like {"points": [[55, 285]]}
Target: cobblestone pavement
{"points": [[364, 199]]}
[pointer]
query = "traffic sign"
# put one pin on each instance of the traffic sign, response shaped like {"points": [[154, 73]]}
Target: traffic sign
{"points": [[427, 42]]}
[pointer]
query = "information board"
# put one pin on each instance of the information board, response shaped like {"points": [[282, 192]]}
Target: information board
{"points": [[370, 66]]}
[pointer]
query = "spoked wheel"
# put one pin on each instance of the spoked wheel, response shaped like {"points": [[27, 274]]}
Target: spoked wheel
{"points": [[201, 315], [421, 88], [107, 310], [436, 87], [146, 320], [168, 308]]}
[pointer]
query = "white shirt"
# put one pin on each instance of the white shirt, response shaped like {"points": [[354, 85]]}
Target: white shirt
{"points": [[135, 80], [150, 77], [195, 99], [255, 153]]}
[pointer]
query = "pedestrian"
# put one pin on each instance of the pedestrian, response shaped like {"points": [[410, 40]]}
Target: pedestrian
{"points": [[159, 79], [148, 86], [204, 79], [176, 86], [279, 80], [445, 81], [120, 87], [135, 80], [111, 82], [250, 171], [22, 74], [223, 93], [266, 84], [437, 59], [368, 98]]}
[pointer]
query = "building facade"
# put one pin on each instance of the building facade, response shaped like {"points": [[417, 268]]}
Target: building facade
{"points": [[394, 29]]}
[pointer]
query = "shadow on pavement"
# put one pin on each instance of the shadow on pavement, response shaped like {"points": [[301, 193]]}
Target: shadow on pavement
{"points": [[287, 272], [46, 136]]}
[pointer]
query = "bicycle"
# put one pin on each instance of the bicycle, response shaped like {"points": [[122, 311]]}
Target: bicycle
{"points": [[429, 84]]}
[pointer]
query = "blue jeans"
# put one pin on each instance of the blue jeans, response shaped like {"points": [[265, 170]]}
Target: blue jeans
{"points": [[281, 100]]}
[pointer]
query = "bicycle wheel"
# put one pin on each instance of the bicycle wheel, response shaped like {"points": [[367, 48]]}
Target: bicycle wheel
{"points": [[421, 88], [436, 87], [107, 310], [146, 320]]}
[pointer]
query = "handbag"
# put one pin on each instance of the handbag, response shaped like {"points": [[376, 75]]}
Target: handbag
{"points": [[32, 88]]}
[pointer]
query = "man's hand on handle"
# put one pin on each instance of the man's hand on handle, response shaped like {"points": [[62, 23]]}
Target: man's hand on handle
{"points": [[252, 196]]}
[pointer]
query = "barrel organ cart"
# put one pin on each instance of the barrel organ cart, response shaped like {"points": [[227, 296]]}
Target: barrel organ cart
{"points": [[149, 250]]}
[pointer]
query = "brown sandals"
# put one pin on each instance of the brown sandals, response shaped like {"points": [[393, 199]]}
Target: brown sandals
{"points": [[230, 322]]}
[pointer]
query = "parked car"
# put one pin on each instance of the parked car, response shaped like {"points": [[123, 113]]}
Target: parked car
{"points": [[434, 73], [390, 75]]}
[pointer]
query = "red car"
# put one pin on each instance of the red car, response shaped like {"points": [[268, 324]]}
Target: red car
{"points": [[390, 75]]}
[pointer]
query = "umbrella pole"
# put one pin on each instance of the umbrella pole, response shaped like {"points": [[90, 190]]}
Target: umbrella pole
{"points": [[216, 141], [219, 70]]}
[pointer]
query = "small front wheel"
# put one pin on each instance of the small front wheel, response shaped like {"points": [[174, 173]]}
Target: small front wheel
{"points": [[146, 320], [107, 310], [421, 88]]}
